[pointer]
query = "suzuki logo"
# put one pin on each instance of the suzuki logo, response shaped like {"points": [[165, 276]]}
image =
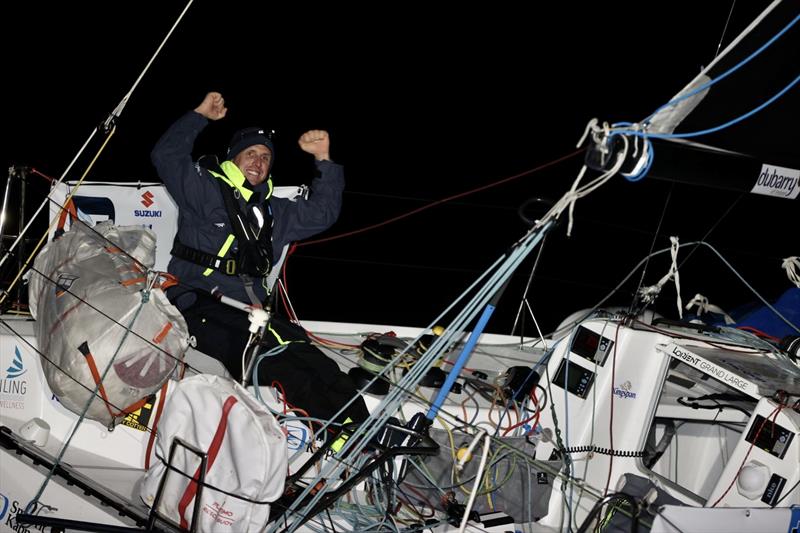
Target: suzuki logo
{"points": [[147, 199]]}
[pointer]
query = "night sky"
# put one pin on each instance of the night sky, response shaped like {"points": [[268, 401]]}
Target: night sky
{"points": [[423, 101]]}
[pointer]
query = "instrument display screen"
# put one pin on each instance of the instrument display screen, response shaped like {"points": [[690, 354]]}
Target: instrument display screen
{"points": [[772, 438], [574, 378], [591, 345]]}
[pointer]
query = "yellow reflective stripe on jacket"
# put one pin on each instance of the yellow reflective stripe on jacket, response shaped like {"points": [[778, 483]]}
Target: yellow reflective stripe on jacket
{"points": [[233, 177], [221, 254], [339, 443]]}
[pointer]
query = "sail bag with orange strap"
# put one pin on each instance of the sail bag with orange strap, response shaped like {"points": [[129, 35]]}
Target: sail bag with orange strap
{"points": [[104, 327]]}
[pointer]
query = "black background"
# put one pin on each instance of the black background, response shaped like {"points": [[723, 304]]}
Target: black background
{"points": [[423, 101]]}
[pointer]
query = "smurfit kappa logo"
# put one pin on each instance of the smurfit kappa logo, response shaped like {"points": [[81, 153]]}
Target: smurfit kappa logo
{"points": [[16, 369], [147, 199]]}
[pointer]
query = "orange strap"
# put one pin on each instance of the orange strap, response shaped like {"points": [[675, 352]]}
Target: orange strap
{"points": [[167, 280], [154, 430], [84, 349], [68, 209]]}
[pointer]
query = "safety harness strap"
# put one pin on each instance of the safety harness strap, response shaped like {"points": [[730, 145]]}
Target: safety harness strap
{"points": [[226, 266]]}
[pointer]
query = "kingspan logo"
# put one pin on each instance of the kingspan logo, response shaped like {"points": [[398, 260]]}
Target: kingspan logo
{"points": [[16, 369], [624, 391]]}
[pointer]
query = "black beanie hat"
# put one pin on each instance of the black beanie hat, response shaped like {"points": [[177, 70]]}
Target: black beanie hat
{"points": [[248, 137]]}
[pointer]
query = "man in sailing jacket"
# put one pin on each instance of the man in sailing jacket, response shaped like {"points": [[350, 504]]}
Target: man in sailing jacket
{"points": [[230, 231]]}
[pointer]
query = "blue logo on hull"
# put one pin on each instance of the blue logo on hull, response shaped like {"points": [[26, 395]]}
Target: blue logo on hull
{"points": [[3, 506], [16, 369]]}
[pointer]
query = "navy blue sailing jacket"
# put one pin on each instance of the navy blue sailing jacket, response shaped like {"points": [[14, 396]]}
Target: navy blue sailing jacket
{"points": [[204, 224]]}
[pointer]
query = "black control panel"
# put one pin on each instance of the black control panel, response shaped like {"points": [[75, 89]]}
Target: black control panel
{"points": [[772, 438], [574, 378], [591, 346]]}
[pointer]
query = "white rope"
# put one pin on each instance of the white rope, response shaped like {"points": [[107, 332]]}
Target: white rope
{"points": [[649, 294], [107, 124], [599, 135], [486, 285], [478, 478], [792, 267], [591, 127], [704, 307], [468, 454], [118, 110]]}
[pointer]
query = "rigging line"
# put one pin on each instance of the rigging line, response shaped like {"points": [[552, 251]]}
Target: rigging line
{"points": [[424, 200], [665, 250], [511, 452], [465, 314], [407, 265], [763, 300], [652, 245], [333, 529], [591, 439], [434, 351], [725, 29], [731, 122], [44, 203], [506, 265], [79, 421], [118, 110], [93, 230], [538, 329], [611, 408], [524, 299], [704, 72], [723, 341], [6, 292], [109, 317], [712, 228], [108, 124], [443, 200], [104, 238], [46, 358], [543, 361], [391, 402]]}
